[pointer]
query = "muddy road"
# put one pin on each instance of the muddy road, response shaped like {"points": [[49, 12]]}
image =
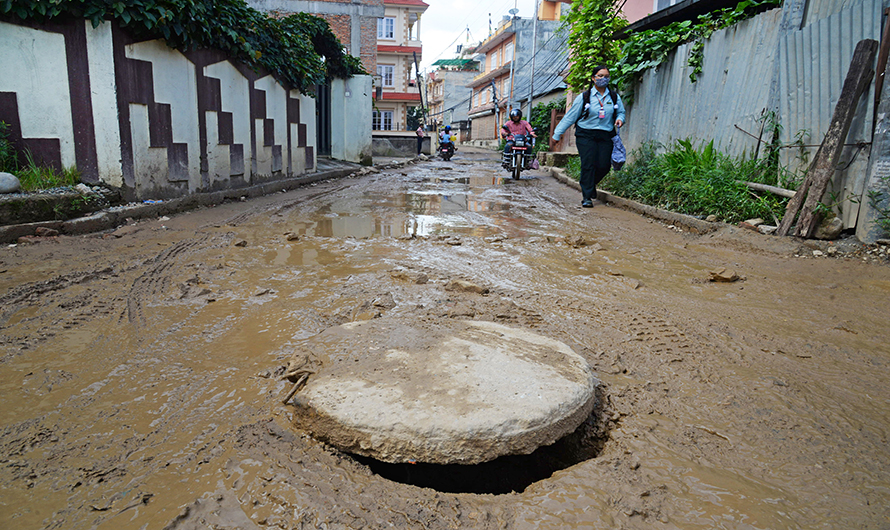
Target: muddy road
{"points": [[140, 370]]}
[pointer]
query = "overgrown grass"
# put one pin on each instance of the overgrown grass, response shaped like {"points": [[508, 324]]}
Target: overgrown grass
{"points": [[694, 181], [33, 177]]}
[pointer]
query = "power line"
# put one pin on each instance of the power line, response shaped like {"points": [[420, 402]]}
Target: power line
{"points": [[466, 23]]}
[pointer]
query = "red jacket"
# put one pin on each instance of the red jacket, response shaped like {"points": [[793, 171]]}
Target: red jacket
{"points": [[523, 127]]}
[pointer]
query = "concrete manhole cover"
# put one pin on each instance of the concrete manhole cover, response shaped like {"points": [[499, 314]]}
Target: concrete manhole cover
{"points": [[459, 392]]}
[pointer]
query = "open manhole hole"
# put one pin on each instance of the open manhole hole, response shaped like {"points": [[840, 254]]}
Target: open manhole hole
{"points": [[468, 406], [506, 474]]}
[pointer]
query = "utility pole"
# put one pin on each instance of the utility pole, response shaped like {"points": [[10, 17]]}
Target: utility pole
{"points": [[497, 110], [531, 91], [419, 91], [510, 99]]}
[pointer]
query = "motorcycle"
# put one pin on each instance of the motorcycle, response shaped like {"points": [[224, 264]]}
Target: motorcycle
{"points": [[519, 157], [446, 151]]}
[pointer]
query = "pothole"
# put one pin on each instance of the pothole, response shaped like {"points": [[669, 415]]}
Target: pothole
{"points": [[507, 474]]}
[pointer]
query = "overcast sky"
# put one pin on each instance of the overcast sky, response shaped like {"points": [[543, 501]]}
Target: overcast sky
{"points": [[444, 24]]}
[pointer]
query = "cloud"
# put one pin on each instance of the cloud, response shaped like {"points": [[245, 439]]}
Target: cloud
{"points": [[444, 24]]}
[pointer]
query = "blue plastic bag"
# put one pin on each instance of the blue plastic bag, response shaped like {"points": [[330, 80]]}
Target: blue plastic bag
{"points": [[619, 154]]}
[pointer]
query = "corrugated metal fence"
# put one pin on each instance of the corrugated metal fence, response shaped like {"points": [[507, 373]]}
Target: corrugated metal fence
{"points": [[742, 67]]}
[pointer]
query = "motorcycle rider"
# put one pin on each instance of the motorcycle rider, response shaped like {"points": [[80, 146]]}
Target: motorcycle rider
{"points": [[445, 139], [516, 125], [445, 136]]}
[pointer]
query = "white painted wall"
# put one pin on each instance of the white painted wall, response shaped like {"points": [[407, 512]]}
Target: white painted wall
{"points": [[34, 65], [276, 107], [174, 83], [103, 94], [307, 116], [149, 163], [350, 130], [235, 91]]}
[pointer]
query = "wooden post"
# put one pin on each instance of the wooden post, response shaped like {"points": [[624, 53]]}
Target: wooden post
{"points": [[825, 163]]}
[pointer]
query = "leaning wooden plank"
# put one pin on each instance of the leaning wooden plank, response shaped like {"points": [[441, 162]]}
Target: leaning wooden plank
{"points": [[823, 167]]}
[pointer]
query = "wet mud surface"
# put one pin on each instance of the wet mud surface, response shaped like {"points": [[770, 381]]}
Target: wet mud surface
{"points": [[141, 370]]}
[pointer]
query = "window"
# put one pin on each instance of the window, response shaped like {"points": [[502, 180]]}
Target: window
{"points": [[385, 72], [386, 27], [664, 4], [494, 59], [508, 52], [381, 120]]}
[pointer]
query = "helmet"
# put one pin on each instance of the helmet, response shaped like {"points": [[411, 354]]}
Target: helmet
{"points": [[515, 114], [448, 128]]}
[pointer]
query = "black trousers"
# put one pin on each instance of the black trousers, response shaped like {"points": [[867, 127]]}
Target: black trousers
{"points": [[595, 149], [419, 144]]}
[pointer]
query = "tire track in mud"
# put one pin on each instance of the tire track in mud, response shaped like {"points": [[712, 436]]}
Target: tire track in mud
{"points": [[59, 305], [274, 209], [93, 460], [29, 292], [156, 279], [278, 478]]}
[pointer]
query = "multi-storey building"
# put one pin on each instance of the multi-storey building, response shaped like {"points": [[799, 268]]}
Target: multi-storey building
{"points": [[447, 95], [354, 23], [398, 53], [506, 81]]}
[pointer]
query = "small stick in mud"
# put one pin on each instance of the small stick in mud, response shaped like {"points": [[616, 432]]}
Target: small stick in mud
{"points": [[712, 431], [301, 381]]}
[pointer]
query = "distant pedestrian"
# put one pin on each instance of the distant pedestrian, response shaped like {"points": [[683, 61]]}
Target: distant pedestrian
{"points": [[420, 135], [596, 115]]}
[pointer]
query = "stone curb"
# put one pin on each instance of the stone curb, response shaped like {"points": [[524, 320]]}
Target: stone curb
{"points": [[690, 223], [113, 217]]}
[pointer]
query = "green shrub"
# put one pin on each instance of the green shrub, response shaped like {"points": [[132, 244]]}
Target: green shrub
{"points": [[693, 181], [540, 120], [8, 161], [573, 167]]}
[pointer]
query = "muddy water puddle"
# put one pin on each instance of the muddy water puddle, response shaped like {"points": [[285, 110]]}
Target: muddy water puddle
{"points": [[431, 205], [141, 374]]}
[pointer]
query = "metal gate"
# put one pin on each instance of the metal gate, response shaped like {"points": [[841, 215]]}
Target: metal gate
{"points": [[323, 119]]}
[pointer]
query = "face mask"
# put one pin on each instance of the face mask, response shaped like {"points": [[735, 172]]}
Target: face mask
{"points": [[601, 81]]}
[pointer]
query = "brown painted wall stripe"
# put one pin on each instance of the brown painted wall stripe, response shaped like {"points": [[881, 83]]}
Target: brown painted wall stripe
{"points": [[86, 158]]}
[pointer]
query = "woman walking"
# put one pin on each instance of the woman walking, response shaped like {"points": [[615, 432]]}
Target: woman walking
{"points": [[596, 115]]}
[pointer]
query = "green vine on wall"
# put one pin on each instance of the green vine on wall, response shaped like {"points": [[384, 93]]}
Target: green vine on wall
{"points": [[299, 50], [594, 25]]}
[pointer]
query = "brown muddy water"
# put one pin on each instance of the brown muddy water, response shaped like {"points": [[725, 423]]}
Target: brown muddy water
{"points": [[140, 370]]}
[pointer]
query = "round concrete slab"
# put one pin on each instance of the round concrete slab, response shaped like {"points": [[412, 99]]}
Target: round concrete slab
{"points": [[456, 392]]}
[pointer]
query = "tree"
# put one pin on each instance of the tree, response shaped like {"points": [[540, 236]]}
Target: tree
{"points": [[415, 117]]}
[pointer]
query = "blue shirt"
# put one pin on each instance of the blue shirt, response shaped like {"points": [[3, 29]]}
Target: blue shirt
{"points": [[592, 121]]}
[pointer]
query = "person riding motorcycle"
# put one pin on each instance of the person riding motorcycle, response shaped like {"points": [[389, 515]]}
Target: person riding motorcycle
{"points": [[445, 136], [445, 140], [516, 125]]}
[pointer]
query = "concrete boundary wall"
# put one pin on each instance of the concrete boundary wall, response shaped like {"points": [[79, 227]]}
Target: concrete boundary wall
{"points": [[153, 121]]}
